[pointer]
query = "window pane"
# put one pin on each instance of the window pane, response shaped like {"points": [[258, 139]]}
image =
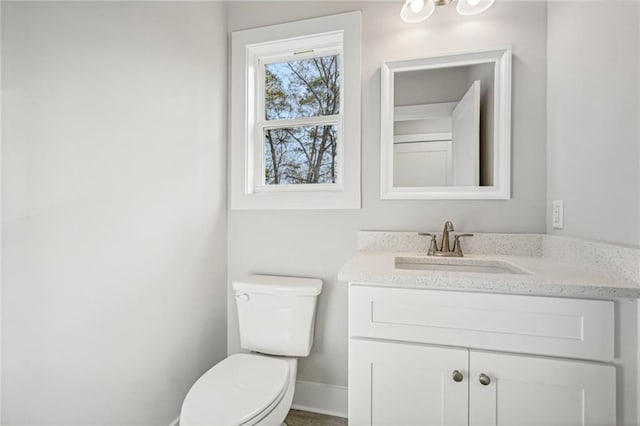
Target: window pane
{"points": [[305, 88], [301, 155]]}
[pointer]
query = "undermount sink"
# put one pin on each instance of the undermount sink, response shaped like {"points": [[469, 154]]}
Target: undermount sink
{"points": [[486, 266]]}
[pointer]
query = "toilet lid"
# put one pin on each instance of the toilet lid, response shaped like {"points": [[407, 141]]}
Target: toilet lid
{"points": [[235, 390]]}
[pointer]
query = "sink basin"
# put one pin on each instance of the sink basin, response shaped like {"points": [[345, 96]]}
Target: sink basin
{"points": [[483, 266]]}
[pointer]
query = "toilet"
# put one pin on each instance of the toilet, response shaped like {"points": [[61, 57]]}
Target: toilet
{"points": [[276, 317]]}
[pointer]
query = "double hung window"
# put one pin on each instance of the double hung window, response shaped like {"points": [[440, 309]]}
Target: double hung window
{"points": [[299, 116], [295, 115]]}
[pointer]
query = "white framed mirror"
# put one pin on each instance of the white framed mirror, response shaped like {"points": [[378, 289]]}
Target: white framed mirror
{"points": [[446, 127]]}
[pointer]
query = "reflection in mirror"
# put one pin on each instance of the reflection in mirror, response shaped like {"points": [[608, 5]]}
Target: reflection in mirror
{"points": [[437, 122], [445, 126]]}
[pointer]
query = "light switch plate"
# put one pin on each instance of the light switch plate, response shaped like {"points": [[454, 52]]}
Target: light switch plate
{"points": [[557, 214]]}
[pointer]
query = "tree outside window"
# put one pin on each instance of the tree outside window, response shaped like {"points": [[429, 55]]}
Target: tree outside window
{"points": [[302, 111]]}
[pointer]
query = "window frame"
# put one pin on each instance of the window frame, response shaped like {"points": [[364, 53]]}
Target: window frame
{"points": [[251, 51]]}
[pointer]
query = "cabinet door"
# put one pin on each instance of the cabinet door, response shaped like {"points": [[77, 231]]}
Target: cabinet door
{"points": [[405, 384], [530, 391]]}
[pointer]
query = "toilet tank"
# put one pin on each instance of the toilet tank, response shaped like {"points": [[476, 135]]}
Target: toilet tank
{"points": [[277, 314]]}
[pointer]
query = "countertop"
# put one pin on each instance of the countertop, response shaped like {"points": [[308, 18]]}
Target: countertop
{"points": [[547, 277]]}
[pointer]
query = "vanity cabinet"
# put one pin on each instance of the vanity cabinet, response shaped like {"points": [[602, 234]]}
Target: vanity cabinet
{"points": [[426, 357]]}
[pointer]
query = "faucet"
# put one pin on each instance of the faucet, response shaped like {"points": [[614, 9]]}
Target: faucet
{"points": [[444, 244], [445, 249]]}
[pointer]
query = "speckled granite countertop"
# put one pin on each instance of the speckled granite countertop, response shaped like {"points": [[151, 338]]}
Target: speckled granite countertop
{"points": [[548, 275]]}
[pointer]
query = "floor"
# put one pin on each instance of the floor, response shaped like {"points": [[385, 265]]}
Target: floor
{"points": [[304, 418]]}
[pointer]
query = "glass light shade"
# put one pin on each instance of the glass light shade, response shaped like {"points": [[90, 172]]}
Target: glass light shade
{"points": [[473, 7], [409, 15], [417, 5]]}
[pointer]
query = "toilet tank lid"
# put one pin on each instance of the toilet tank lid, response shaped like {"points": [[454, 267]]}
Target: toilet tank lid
{"points": [[272, 284]]}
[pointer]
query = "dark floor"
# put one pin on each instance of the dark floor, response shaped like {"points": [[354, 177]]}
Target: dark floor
{"points": [[304, 418]]}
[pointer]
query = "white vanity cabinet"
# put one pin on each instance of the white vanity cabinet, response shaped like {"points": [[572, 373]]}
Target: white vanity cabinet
{"points": [[427, 357]]}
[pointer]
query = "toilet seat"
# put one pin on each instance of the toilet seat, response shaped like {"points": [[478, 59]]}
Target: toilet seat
{"points": [[240, 390]]}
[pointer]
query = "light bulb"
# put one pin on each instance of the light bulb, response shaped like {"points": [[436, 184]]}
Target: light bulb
{"points": [[415, 11], [473, 7], [416, 5]]}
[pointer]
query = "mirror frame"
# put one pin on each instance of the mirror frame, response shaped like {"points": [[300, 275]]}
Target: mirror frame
{"points": [[501, 189]]}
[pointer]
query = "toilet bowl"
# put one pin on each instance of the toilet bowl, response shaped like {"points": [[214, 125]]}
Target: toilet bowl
{"points": [[243, 389], [276, 317]]}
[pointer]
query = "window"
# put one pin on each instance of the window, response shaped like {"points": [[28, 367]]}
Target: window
{"points": [[301, 120], [295, 125]]}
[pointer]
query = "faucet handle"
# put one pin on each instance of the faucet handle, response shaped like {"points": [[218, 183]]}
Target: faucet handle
{"points": [[433, 247], [456, 243]]}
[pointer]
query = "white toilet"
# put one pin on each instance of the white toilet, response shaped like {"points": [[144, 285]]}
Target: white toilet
{"points": [[276, 316]]}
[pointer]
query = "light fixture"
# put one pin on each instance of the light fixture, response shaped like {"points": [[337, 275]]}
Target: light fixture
{"points": [[415, 11]]}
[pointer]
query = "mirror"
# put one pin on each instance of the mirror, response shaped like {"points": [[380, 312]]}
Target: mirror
{"points": [[445, 127]]}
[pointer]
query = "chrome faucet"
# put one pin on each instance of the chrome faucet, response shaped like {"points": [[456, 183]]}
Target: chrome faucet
{"points": [[445, 250]]}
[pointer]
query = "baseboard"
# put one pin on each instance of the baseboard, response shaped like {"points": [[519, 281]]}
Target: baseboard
{"points": [[176, 422], [320, 398]]}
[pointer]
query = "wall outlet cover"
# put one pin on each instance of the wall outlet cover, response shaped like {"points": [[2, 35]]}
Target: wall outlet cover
{"points": [[557, 214]]}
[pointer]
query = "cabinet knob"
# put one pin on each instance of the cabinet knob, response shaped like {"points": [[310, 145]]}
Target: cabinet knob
{"points": [[484, 379], [457, 376]]}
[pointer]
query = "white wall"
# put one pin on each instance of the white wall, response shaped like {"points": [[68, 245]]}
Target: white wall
{"points": [[114, 218], [592, 113], [317, 243], [593, 145], [430, 86], [0, 214]]}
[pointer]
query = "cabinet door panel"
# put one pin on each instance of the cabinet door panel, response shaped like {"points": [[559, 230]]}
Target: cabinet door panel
{"points": [[529, 391], [405, 384]]}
